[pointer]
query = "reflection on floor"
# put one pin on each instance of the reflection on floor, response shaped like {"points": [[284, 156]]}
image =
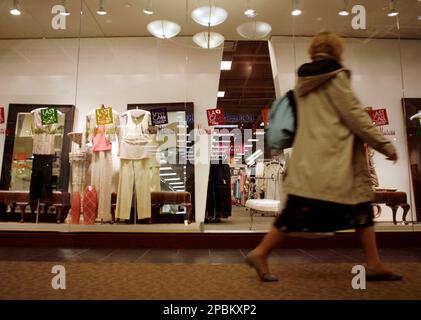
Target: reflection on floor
{"points": [[202, 256], [240, 222]]}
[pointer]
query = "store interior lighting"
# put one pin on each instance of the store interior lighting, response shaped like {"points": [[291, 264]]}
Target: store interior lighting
{"points": [[221, 94], [209, 16], [148, 8], [65, 12], [344, 12], [226, 65], [208, 40], [254, 30], [254, 156], [163, 29], [101, 10], [295, 8], [165, 168], [392, 9], [15, 11]]}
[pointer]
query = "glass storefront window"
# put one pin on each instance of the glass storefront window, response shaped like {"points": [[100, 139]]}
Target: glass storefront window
{"points": [[184, 145]]}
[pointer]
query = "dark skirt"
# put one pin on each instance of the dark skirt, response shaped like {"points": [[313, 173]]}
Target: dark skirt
{"points": [[310, 215]]}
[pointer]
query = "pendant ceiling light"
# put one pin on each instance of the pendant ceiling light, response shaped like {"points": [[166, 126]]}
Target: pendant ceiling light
{"points": [[209, 16], [254, 30], [208, 40], [15, 9], [163, 29], [148, 8], [295, 8], [344, 12], [101, 11], [392, 10], [65, 12]]}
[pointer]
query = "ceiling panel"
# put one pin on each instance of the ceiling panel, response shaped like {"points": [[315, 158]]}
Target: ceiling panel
{"points": [[125, 18]]}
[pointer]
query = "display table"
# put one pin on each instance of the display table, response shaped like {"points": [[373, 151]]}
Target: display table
{"points": [[60, 200], [394, 200], [158, 199]]}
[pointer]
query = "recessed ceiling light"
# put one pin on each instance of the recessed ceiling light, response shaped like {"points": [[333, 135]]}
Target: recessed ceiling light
{"points": [[127, 5], [419, 18], [221, 94], [344, 13], [148, 11], [226, 65]]}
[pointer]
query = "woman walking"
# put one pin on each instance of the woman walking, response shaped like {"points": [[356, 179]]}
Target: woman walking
{"points": [[327, 180]]}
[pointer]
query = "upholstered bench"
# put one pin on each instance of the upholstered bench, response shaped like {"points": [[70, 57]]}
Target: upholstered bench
{"points": [[262, 206], [60, 200], [394, 200], [159, 199]]}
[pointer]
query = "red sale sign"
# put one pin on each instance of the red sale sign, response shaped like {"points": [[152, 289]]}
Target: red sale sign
{"points": [[2, 115], [215, 117], [379, 117]]}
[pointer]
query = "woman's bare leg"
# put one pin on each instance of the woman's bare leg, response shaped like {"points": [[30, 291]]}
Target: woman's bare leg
{"points": [[270, 241], [368, 242]]}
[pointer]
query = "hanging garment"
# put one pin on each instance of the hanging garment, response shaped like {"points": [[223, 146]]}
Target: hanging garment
{"points": [[218, 203], [144, 177], [90, 205], [44, 134], [41, 186], [101, 178], [101, 135], [260, 173], [135, 141], [273, 181]]}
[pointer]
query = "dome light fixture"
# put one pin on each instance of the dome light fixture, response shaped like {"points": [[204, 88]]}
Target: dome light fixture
{"points": [[254, 30], [209, 16], [392, 10], [15, 11], [295, 9], [163, 29], [101, 11], [208, 40]]}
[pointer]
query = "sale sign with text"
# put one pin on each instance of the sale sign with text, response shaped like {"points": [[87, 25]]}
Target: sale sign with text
{"points": [[215, 117]]}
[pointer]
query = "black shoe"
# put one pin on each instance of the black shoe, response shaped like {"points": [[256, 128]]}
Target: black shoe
{"points": [[376, 276]]}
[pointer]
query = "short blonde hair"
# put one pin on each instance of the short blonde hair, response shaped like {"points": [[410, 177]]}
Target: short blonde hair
{"points": [[326, 43]]}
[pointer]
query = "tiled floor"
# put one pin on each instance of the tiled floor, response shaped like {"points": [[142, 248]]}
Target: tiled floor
{"points": [[202, 256]]}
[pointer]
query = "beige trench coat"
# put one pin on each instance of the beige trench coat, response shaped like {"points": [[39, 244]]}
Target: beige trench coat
{"points": [[328, 160]]}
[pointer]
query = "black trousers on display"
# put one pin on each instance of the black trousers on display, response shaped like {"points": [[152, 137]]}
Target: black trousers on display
{"points": [[218, 203], [42, 177]]}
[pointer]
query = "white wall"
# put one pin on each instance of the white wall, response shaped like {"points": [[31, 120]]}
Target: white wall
{"points": [[377, 80], [114, 72]]}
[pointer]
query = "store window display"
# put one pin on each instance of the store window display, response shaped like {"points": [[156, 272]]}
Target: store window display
{"points": [[101, 131], [139, 167], [47, 123]]}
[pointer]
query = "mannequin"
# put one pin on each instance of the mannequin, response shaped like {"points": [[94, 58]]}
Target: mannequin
{"points": [[101, 131], [139, 168], [45, 127]]}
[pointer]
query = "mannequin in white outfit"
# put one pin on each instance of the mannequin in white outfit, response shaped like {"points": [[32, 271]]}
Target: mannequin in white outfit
{"points": [[139, 167]]}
